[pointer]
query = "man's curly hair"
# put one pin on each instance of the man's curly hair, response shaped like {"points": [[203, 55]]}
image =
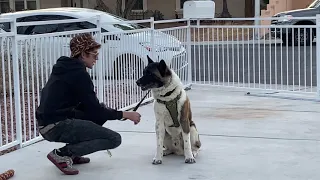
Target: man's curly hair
{"points": [[82, 43]]}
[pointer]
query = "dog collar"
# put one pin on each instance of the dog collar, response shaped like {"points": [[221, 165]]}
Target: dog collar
{"points": [[169, 93]]}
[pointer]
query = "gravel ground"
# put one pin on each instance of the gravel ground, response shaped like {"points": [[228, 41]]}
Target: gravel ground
{"points": [[8, 127]]}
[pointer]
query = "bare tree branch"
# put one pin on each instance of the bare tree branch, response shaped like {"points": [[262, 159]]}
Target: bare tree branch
{"points": [[128, 7], [225, 11]]}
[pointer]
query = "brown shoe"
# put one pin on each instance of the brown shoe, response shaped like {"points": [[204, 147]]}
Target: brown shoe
{"points": [[80, 160], [63, 163]]}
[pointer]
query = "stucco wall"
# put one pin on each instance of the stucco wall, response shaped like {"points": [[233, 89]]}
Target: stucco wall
{"points": [[166, 7], [50, 3], [299, 4]]}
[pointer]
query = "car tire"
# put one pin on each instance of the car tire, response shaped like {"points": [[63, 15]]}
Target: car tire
{"points": [[305, 38]]}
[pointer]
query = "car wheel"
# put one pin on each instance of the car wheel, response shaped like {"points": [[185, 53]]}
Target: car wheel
{"points": [[128, 66], [303, 36]]}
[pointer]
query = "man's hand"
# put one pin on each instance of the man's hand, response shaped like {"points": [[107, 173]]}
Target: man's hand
{"points": [[133, 116]]}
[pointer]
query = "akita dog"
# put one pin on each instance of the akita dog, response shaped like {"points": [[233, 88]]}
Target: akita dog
{"points": [[175, 130]]}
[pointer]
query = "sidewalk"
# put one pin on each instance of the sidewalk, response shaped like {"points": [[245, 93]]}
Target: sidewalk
{"points": [[243, 137]]}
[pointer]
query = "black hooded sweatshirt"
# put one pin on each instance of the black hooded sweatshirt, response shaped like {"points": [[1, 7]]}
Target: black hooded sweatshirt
{"points": [[69, 93]]}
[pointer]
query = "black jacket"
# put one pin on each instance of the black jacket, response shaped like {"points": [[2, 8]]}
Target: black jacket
{"points": [[69, 93]]}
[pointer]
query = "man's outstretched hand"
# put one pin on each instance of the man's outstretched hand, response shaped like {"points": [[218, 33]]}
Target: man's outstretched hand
{"points": [[133, 116]]}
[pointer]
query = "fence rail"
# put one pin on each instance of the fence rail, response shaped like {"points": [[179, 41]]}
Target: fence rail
{"points": [[281, 58], [238, 55]]}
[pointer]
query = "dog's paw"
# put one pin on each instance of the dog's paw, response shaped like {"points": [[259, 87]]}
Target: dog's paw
{"points": [[156, 161], [190, 160], [167, 152]]}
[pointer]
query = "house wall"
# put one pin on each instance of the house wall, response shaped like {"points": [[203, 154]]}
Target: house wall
{"points": [[299, 4], [169, 8], [65, 3], [50, 3]]}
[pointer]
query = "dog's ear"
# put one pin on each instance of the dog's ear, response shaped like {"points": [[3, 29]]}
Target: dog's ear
{"points": [[163, 68], [149, 60]]}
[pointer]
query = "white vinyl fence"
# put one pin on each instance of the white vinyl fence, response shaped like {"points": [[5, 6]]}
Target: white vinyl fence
{"points": [[218, 54], [231, 55]]}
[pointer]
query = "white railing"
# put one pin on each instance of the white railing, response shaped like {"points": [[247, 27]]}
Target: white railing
{"points": [[209, 54], [9, 126], [233, 56]]}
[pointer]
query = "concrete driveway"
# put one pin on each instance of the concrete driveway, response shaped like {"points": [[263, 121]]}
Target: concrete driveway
{"points": [[243, 138]]}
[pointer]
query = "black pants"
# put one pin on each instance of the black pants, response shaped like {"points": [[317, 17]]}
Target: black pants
{"points": [[82, 137]]}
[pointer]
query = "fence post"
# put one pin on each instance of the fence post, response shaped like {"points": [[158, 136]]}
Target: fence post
{"points": [[152, 38], [189, 53], [318, 53], [100, 78], [16, 81]]}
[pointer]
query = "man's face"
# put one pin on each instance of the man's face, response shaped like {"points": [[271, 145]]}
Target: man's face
{"points": [[90, 58]]}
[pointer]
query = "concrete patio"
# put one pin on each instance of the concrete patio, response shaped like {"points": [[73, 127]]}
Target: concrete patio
{"points": [[243, 137]]}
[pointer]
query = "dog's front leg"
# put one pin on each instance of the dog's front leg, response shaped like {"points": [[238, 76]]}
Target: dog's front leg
{"points": [[160, 132], [187, 148]]}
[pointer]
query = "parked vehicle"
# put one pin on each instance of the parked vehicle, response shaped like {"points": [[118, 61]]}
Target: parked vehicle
{"points": [[291, 35], [131, 48]]}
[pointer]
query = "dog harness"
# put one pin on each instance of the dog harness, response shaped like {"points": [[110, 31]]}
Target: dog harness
{"points": [[172, 107]]}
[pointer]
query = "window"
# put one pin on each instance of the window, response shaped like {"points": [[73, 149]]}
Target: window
{"points": [[32, 5], [4, 6], [137, 6], [20, 6]]}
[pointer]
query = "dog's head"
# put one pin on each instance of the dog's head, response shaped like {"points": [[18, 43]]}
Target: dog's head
{"points": [[155, 75]]}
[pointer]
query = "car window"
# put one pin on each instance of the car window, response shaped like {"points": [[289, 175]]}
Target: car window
{"points": [[314, 4], [51, 28], [5, 26], [79, 26], [39, 29]]}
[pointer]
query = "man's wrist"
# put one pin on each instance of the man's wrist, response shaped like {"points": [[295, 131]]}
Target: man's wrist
{"points": [[126, 115]]}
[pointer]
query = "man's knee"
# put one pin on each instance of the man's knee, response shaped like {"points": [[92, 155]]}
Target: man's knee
{"points": [[117, 140]]}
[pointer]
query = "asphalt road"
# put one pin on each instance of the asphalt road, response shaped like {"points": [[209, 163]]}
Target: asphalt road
{"points": [[243, 63]]}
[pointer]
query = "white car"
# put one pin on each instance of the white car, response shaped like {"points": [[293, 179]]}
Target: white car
{"points": [[124, 52]]}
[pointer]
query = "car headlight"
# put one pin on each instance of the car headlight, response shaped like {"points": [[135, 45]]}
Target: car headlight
{"points": [[149, 47], [159, 48], [285, 18]]}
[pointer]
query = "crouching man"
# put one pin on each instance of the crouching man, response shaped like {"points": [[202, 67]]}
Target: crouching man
{"points": [[69, 111]]}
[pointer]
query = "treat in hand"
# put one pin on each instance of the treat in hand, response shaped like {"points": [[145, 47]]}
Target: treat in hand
{"points": [[133, 116]]}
